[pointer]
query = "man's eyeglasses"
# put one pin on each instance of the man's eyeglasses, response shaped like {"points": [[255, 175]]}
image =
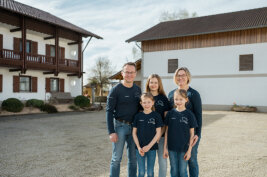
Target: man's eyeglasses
{"points": [[129, 73]]}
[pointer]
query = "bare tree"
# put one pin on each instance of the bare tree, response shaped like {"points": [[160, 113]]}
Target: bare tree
{"points": [[100, 73], [181, 14]]}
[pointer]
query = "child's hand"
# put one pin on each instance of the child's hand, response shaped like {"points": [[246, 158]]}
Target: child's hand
{"points": [[165, 153], [141, 152], [187, 155], [146, 148]]}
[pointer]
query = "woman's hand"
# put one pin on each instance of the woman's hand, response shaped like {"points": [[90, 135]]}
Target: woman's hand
{"points": [[146, 148], [187, 155], [195, 139], [165, 153]]}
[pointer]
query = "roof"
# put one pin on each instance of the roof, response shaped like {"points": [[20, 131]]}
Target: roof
{"points": [[38, 14], [234, 21], [118, 75]]}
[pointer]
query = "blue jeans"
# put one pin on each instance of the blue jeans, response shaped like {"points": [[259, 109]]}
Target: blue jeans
{"points": [[192, 163], [178, 164], [124, 132], [162, 161], [150, 156]]}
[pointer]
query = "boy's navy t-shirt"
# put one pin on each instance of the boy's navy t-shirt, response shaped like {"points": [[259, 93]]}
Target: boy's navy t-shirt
{"points": [[179, 124], [146, 125], [122, 103]]}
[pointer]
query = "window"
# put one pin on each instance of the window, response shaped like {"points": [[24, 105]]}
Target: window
{"points": [[28, 46], [52, 51], [172, 65], [24, 84], [54, 85], [246, 62]]}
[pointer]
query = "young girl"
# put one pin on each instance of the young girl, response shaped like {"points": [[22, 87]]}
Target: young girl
{"points": [[146, 131], [180, 124], [162, 105]]}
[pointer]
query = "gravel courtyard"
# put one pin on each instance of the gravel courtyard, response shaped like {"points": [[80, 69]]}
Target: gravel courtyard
{"points": [[76, 144]]}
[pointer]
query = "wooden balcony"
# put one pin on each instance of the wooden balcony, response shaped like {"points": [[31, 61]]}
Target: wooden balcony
{"points": [[10, 58]]}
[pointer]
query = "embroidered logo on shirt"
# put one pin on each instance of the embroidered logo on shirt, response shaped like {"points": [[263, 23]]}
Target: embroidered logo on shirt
{"points": [[141, 120], [184, 120], [137, 94], [126, 96], [174, 118], [159, 103], [151, 121]]}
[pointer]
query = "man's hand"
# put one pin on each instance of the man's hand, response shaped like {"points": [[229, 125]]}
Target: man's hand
{"points": [[113, 137], [165, 153], [195, 139]]}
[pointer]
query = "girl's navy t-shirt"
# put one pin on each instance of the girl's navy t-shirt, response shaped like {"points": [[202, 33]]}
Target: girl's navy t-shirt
{"points": [[146, 125], [179, 124]]}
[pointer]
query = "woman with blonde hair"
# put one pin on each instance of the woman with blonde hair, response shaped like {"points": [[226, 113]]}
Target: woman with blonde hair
{"points": [[182, 78], [162, 105]]}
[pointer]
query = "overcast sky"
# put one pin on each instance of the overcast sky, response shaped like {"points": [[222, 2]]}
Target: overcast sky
{"points": [[119, 20]]}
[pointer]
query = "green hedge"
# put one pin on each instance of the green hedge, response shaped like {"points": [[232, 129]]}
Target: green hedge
{"points": [[82, 101], [12, 105], [34, 103], [49, 108]]}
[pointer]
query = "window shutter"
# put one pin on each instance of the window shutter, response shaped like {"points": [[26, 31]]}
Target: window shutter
{"points": [[47, 84], [47, 50], [34, 48], [172, 65], [15, 83], [34, 84], [1, 83], [62, 54], [246, 62], [61, 85], [16, 44], [1, 43]]}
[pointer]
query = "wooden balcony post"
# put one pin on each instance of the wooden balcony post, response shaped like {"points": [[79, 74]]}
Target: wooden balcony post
{"points": [[24, 52], [56, 51], [80, 57]]}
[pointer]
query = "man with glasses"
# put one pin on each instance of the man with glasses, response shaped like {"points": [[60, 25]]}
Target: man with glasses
{"points": [[122, 104]]}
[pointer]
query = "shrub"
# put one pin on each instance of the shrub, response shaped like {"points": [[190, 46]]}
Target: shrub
{"points": [[73, 107], [34, 103], [12, 105], [49, 108], [81, 101], [102, 99]]}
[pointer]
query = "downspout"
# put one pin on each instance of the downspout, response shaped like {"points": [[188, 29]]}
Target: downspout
{"points": [[82, 60], [142, 66]]}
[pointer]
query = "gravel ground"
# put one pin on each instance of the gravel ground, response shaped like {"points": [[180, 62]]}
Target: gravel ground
{"points": [[76, 144]]}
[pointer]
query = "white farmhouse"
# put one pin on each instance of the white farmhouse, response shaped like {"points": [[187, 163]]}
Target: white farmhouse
{"points": [[226, 54], [39, 53]]}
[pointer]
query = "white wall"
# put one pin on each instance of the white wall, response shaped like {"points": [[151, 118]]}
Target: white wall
{"points": [[70, 86], [215, 72]]}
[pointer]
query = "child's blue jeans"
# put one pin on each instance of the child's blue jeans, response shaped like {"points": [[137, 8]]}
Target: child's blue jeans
{"points": [[150, 157], [178, 164]]}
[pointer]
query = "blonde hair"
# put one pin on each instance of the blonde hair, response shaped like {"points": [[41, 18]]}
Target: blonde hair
{"points": [[160, 89], [150, 96], [187, 72], [182, 93]]}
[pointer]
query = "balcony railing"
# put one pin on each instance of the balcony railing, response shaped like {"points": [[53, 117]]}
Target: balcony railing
{"points": [[10, 54], [38, 61]]}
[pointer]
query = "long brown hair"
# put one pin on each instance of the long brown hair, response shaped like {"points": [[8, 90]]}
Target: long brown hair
{"points": [[160, 89]]}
